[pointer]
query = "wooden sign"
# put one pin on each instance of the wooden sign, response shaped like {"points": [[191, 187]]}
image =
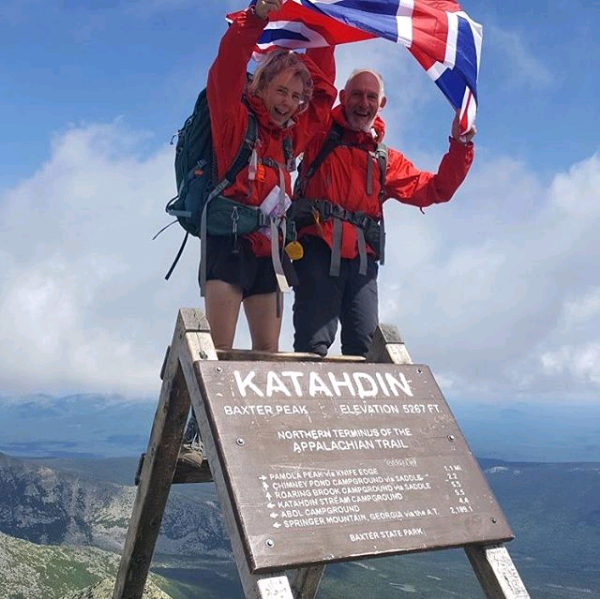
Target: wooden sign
{"points": [[328, 462]]}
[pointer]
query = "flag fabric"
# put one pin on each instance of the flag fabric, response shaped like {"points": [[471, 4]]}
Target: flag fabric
{"points": [[439, 34]]}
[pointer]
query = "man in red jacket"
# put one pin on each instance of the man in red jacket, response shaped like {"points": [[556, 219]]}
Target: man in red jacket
{"points": [[346, 176]]}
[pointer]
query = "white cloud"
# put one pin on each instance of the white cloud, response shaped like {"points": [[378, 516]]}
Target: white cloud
{"points": [[497, 291], [576, 193], [504, 265], [83, 299], [582, 310], [582, 363]]}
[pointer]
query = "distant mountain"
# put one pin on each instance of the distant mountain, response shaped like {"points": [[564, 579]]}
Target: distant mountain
{"points": [[531, 432], [47, 506], [553, 509], [84, 425], [79, 523], [94, 426]]}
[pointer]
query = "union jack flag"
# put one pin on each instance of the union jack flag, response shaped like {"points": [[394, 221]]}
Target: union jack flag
{"points": [[439, 34]]}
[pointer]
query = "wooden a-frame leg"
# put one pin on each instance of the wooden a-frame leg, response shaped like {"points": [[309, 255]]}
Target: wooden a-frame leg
{"points": [[387, 347], [199, 346], [496, 572], [156, 476], [305, 582], [492, 564]]}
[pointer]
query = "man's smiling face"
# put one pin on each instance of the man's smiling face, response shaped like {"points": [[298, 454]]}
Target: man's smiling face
{"points": [[362, 100]]}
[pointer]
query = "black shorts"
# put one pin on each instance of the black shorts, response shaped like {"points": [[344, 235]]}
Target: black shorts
{"points": [[232, 260]]}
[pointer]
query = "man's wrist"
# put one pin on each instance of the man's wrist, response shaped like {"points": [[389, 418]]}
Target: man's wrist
{"points": [[460, 142]]}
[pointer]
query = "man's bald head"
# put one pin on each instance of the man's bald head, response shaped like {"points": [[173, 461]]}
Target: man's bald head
{"points": [[375, 74], [362, 98]]}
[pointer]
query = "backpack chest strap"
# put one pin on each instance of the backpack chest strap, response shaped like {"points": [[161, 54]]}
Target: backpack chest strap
{"points": [[276, 217]]}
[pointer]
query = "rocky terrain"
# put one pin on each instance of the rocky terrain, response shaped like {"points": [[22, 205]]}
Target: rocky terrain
{"points": [[46, 506], [104, 590], [62, 528], [30, 570], [62, 525]]}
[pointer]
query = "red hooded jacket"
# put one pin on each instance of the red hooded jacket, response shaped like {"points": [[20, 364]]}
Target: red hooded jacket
{"points": [[341, 178], [229, 115]]}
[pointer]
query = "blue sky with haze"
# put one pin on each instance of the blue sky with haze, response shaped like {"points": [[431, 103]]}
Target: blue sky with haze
{"points": [[498, 290]]}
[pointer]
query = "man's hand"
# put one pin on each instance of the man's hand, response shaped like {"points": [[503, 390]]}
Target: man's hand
{"points": [[465, 138], [263, 7]]}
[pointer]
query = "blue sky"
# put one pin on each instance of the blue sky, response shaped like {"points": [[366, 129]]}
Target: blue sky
{"points": [[498, 291]]}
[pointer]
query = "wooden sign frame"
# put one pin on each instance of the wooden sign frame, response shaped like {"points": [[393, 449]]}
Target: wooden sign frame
{"points": [[182, 389]]}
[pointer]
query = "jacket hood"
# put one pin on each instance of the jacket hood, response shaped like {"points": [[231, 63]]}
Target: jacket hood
{"points": [[376, 134]]}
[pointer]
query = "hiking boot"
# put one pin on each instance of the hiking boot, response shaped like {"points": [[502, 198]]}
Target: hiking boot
{"points": [[191, 454], [191, 467]]}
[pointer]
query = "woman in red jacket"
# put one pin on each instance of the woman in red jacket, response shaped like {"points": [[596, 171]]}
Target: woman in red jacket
{"points": [[290, 97]]}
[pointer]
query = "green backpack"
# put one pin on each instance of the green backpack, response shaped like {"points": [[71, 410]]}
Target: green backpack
{"points": [[198, 206]]}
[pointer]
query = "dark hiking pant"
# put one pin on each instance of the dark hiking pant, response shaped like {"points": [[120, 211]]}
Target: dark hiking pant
{"points": [[321, 301]]}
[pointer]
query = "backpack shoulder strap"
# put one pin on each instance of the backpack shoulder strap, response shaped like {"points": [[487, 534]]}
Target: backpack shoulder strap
{"points": [[333, 139], [242, 157], [381, 155], [288, 154]]}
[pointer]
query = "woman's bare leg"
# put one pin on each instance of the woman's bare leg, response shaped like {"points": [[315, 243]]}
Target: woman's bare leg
{"points": [[264, 325], [222, 303]]}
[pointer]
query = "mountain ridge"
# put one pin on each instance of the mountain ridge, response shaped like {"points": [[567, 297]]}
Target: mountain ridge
{"points": [[96, 425], [558, 534]]}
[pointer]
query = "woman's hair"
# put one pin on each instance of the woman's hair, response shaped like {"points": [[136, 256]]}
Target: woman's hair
{"points": [[277, 61]]}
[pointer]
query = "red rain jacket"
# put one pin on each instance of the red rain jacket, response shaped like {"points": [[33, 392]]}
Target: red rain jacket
{"points": [[341, 178], [229, 115]]}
